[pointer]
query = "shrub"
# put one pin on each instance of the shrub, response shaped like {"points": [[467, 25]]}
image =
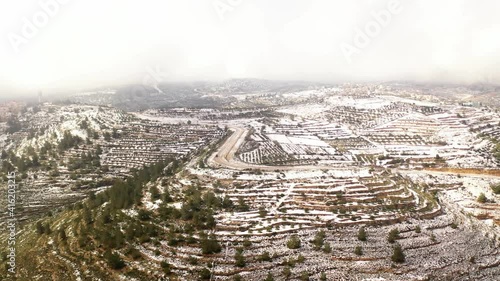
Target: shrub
{"points": [[393, 235], [496, 188], [133, 253], [304, 276], [210, 245], [262, 212], [319, 240], [398, 255], [269, 277], [205, 274], [265, 256], [166, 267], [358, 250], [247, 243], [362, 234], [482, 198], [114, 260], [293, 242], [287, 272], [239, 259]]}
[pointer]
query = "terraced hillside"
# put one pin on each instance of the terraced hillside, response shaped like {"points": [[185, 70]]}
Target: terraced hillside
{"points": [[286, 205]]}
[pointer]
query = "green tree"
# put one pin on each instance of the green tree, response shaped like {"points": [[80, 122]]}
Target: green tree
{"points": [[304, 276], [264, 257], [247, 243], [227, 203], [62, 234], [46, 228], [262, 211], [114, 260], [496, 188], [358, 250], [482, 198], [319, 240], [239, 259], [393, 235], [155, 193], [144, 215], [398, 255], [165, 266], [293, 242], [269, 277], [205, 274], [39, 227], [417, 229], [209, 245], [287, 272], [107, 136], [362, 234], [242, 205]]}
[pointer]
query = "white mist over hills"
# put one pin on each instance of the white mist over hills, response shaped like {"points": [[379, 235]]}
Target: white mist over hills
{"points": [[56, 44]]}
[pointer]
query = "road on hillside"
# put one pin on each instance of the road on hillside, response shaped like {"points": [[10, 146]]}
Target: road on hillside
{"points": [[224, 156]]}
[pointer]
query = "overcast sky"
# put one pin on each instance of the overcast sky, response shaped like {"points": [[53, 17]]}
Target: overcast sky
{"points": [[91, 43]]}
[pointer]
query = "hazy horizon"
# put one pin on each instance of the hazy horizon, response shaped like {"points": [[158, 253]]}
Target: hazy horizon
{"points": [[71, 44]]}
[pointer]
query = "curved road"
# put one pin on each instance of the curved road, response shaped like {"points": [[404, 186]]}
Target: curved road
{"points": [[224, 157]]}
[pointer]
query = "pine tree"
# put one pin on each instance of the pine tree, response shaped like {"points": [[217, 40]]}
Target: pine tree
{"points": [[227, 203], [293, 242], [319, 240], [114, 260], [398, 255], [269, 277], [39, 227], [358, 250], [209, 245], [46, 228], [362, 234], [482, 198], [62, 234], [393, 235], [327, 248], [239, 258], [287, 272], [265, 257], [262, 212]]}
